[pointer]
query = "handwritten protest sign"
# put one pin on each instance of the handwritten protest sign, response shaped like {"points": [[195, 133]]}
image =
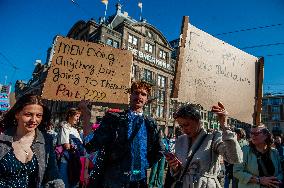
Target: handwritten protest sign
{"points": [[211, 70], [84, 70]]}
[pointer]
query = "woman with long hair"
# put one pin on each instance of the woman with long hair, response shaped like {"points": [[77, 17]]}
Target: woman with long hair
{"points": [[27, 158], [261, 166]]}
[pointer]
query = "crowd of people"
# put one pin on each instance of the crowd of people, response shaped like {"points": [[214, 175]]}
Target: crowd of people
{"points": [[119, 149]]}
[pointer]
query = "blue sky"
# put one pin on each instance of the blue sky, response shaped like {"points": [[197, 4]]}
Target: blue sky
{"points": [[28, 28]]}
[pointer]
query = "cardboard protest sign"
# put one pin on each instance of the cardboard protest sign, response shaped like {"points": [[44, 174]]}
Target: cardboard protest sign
{"points": [[84, 70], [210, 70]]}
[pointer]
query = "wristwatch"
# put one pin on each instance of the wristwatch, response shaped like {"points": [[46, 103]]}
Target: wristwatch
{"points": [[257, 180]]}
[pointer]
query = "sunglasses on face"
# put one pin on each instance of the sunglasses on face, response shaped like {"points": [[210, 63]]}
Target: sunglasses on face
{"points": [[255, 133]]}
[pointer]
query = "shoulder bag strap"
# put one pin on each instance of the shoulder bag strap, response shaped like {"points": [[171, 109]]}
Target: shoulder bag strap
{"points": [[190, 157], [211, 152]]}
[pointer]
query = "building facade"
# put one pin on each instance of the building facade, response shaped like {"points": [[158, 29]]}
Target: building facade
{"points": [[272, 114], [152, 60]]}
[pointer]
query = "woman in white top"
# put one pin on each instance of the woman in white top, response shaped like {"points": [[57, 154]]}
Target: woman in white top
{"points": [[69, 138]]}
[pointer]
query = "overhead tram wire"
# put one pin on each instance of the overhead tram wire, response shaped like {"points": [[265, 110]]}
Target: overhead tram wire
{"points": [[82, 9], [263, 45], [8, 61], [250, 29]]}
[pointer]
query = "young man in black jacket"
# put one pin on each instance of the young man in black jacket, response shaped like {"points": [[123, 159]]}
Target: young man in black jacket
{"points": [[131, 141]]}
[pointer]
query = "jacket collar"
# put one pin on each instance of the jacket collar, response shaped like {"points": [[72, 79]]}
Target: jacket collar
{"points": [[7, 136], [197, 141]]}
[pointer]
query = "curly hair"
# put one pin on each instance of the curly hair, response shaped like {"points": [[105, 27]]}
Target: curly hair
{"points": [[9, 119], [188, 111], [141, 85]]}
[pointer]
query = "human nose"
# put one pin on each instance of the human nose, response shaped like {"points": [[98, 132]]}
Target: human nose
{"points": [[33, 118]]}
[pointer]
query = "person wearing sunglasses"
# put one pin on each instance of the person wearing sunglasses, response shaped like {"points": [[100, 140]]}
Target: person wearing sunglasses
{"points": [[261, 163]]}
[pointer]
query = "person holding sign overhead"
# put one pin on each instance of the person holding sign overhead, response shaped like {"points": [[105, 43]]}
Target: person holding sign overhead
{"points": [[195, 162], [131, 140]]}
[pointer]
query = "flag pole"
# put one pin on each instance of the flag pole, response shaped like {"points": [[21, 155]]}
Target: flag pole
{"points": [[140, 6], [105, 11], [141, 13]]}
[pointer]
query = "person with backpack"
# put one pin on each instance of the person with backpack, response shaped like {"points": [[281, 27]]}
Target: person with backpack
{"points": [[131, 140]]}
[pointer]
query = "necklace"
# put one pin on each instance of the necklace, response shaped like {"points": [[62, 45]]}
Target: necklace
{"points": [[21, 144], [26, 151]]}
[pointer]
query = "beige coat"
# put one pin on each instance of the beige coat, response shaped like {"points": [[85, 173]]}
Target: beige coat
{"points": [[205, 165]]}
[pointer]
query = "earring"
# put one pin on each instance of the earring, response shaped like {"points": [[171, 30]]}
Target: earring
{"points": [[15, 122]]}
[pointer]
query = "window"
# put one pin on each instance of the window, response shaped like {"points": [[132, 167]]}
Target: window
{"points": [[147, 109], [264, 118], [115, 44], [275, 117], [112, 43], [264, 102], [147, 75], [171, 111], [149, 34], [135, 71], [148, 47], [275, 109], [160, 111], [161, 81], [205, 116], [160, 96], [275, 101], [132, 39], [171, 84], [162, 54], [264, 109], [109, 42], [201, 114]]}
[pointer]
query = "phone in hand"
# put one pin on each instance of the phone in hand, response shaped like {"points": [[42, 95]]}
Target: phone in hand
{"points": [[171, 156]]}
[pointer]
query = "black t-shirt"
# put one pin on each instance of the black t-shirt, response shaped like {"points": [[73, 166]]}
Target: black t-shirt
{"points": [[266, 161]]}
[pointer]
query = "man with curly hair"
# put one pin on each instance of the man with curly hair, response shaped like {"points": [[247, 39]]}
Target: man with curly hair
{"points": [[131, 140]]}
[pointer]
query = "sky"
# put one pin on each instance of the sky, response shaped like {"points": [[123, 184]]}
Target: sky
{"points": [[27, 28]]}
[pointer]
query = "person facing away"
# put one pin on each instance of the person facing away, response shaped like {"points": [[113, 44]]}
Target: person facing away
{"points": [[27, 158], [131, 139], [205, 164]]}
